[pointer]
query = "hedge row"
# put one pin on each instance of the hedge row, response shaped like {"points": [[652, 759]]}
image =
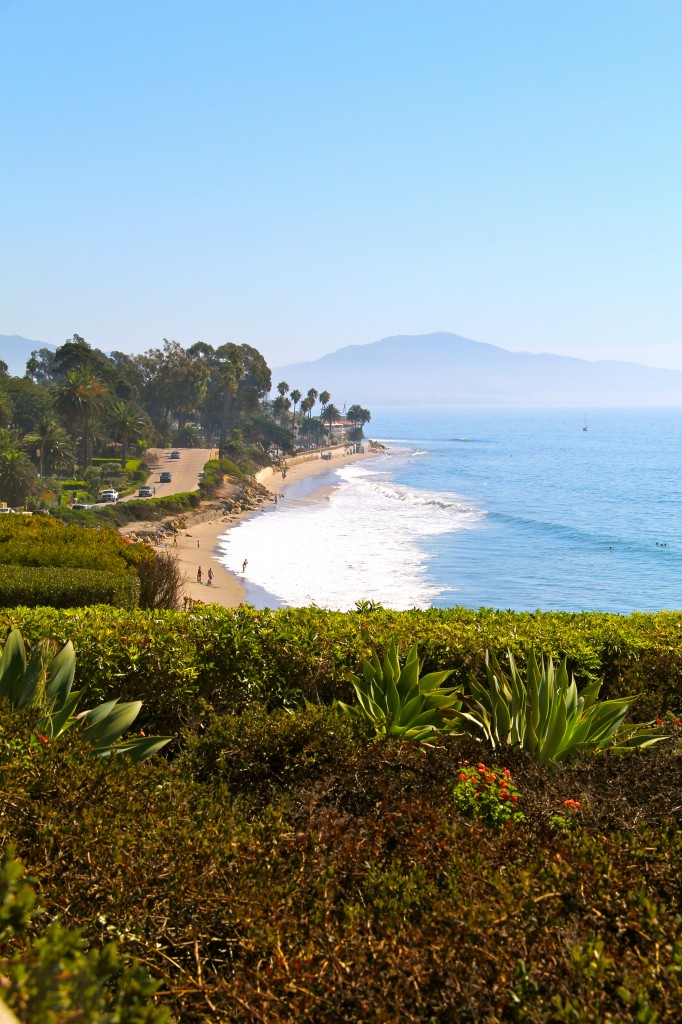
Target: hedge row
{"points": [[42, 541], [142, 510], [229, 658], [66, 588], [289, 871]]}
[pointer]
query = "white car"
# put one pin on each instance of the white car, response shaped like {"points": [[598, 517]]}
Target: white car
{"points": [[6, 510], [109, 495]]}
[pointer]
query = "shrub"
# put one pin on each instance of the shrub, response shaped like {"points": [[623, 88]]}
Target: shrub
{"points": [[33, 586], [161, 580], [144, 510], [259, 752], [44, 541], [232, 657], [50, 971], [355, 893]]}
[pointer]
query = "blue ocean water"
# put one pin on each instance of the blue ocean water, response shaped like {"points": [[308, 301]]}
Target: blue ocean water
{"points": [[571, 519], [503, 508]]}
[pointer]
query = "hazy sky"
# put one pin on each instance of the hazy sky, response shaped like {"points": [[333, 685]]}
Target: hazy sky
{"points": [[304, 175]]}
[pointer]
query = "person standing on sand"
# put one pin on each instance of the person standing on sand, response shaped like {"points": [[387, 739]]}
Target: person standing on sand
{"points": [[209, 576], [199, 575], [244, 564]]}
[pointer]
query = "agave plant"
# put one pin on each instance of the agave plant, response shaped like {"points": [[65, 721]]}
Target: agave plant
{"points": [[46, 683], [398, 702], [546, 715]]}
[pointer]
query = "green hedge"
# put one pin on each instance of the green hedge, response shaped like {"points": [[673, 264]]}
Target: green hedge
{"points": [[43, 540], [233, 657], [142, 510], [336, 880], [32, 586]]}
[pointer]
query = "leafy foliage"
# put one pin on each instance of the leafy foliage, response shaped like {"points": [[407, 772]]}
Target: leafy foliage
{"points": [[47, 976], [233, 657], [400, 702], [546, 715], [352, 888], [46, 683], [31, 586]]}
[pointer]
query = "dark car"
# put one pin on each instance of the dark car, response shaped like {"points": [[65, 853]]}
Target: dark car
{"points": [[175, 455], [165, 478]]}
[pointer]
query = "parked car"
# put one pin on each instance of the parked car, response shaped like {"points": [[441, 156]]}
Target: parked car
{"points": [[165, 478], [145, 492], [80, 507], [175, 454], [108, 495], [6, 510]]}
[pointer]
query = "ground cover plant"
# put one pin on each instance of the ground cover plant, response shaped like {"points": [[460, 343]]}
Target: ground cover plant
{"points": [[286, 868]]}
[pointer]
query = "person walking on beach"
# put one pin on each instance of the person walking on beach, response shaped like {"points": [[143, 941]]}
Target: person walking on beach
{"points": [[244, 564], [209, 576], [199, 575]]}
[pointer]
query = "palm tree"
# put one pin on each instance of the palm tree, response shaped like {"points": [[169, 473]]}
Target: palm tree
{"points": [[125, 423], [79, 398], [330, 414], [312, 398], [282, 388], [295, 398], [324, 399], [359, 416], [306, 405], [52, 444], [18, 477]]}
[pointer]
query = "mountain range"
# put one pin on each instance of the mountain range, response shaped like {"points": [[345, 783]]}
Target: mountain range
{"points": [[446, 369], [15, 351]]}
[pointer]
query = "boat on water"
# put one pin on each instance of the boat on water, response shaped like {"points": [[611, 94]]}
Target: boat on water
{"points": [[585, 424]]}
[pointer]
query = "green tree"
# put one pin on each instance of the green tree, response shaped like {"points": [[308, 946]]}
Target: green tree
{"points": [[125, 423], [282, 388], [30, 403], [51, 444], [359, 416], [5, 408], [295, 398], [18, 477], [330, 414], [79, 398]]}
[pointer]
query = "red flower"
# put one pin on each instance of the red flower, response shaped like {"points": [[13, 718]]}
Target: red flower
{"points": [[677, 721], [514, 797], [571, 803], [462, 776], [43, 739]]}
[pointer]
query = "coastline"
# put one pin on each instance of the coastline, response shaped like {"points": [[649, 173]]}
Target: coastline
{"points": [[197, 545]]}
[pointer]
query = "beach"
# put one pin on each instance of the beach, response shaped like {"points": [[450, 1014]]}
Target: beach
{"points": [[197, 545]]}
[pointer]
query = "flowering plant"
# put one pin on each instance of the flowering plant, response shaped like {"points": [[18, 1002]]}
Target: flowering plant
{"points": [[488, 794], [568, 818]]}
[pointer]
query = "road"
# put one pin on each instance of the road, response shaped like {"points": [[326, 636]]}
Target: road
{"points": [[184, 471]]}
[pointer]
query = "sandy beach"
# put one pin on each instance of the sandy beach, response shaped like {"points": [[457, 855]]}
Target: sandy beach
{"points": [[196, 546]]}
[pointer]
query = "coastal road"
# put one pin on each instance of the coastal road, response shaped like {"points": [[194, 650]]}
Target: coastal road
{"points": [[184, 471]]}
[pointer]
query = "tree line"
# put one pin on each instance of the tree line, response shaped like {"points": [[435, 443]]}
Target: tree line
{"points": [[76, 402]]}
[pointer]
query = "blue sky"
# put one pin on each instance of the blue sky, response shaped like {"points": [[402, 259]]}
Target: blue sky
{"points": [[305, 175]]}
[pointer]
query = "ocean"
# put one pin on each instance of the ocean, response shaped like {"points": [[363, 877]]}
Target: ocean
{"points": [[502, 508]]}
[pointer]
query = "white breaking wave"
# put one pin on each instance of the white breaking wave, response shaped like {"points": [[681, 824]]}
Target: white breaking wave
{"points": [[358, 541]]}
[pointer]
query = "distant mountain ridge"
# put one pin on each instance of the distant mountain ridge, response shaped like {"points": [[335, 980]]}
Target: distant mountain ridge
{"points": [[446, 369], [15, 351]]}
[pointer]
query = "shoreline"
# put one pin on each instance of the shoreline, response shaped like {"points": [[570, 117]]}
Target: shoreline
{"points": [[197, 545]]}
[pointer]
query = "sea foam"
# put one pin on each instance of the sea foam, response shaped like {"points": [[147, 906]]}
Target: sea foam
{"points": [[356, 539]]}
